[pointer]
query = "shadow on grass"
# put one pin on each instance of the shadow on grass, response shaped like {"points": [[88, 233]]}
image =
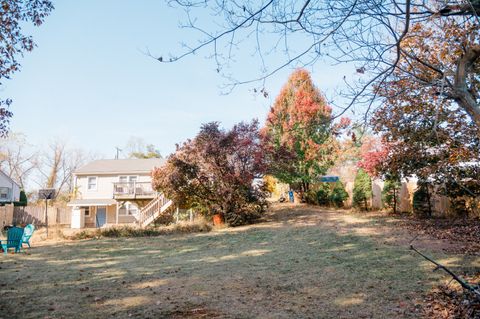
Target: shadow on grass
{"points": [[299, 265]]}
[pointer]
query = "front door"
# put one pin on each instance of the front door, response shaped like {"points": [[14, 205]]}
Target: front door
{"points": [[101, 217]]}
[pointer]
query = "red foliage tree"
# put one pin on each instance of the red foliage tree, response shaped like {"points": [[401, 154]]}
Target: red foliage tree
{"points": [[215, 172], [300, 124]]}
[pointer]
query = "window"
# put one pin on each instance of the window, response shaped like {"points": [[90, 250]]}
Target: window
{"points": [[123, 179], [128, 209], [92, 183], [4, 193], [87, 211]]}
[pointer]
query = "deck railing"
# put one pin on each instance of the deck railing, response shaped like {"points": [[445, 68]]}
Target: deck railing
{"points": [[153, 209], [133, 189]]}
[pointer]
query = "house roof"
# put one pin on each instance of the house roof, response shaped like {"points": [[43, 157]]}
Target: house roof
{"points": [[13, 181], [120, 166]]}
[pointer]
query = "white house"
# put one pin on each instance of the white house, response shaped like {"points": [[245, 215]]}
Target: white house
{"points": [[116, 191], [9, 189]]}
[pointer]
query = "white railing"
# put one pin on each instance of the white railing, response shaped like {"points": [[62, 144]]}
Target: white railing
{"points": [[153, 209], [133, 189]]}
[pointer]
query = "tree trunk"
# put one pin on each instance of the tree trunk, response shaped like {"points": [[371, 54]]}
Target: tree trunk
{"points": [[461, 92], [428, 201], [394, 200]]}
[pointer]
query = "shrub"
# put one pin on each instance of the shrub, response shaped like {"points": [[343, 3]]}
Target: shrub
{"points": [[197, 226], [338, 194], [310, 197], [322, 195], [362, 190]]}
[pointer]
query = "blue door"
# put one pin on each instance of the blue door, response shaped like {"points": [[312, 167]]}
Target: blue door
{"points": [[101, 217]]}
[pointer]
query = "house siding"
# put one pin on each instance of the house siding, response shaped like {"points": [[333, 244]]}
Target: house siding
{"points": [[104, 185], [14, 189]]}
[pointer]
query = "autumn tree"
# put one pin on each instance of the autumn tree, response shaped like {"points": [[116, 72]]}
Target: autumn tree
{"points": [[372, 36], [14, 15], [215, 173], [426, 132], [300, 123]]}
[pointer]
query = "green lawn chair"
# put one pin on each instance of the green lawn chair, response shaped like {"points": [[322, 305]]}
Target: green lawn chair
{"points": [[27, 233], [14, 240]]}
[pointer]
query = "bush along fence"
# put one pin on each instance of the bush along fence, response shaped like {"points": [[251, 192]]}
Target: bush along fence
{"points": [[36, 215]]}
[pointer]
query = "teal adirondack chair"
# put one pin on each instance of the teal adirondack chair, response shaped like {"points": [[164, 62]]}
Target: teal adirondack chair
{"points": [[27, 233], [14, 240]]}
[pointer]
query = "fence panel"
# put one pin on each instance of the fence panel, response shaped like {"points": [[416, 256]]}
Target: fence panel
{"points": [[6, 215], [29, 215], [64, 215]]}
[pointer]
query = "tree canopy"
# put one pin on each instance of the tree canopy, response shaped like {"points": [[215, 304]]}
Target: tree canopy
{"points": [[300, 123], [215, 172], [374, 37]]}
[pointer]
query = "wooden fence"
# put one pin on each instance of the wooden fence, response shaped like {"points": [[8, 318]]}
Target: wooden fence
{"points": [[6, 215], [36, 215]]}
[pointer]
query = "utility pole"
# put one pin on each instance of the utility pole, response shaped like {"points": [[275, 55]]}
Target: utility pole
{"points": [[118, 151]]}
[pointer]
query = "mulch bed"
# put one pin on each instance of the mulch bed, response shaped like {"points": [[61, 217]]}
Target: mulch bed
{"points": [[452, 302], [465, 233]]}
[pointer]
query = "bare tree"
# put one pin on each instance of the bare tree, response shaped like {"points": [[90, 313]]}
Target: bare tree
{"points": [[368, 34], [18, 159], [58, 164], [136, 147]]}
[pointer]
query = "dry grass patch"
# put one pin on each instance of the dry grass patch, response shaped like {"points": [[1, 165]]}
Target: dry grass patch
{"points": [[299, 263]]}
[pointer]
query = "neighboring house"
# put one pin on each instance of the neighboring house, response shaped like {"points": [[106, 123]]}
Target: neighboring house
{"points": [[9, 189], [119, 191]]}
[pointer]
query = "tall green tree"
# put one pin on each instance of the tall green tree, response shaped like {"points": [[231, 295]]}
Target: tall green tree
{"points": [[362, 190], [300, 123]]}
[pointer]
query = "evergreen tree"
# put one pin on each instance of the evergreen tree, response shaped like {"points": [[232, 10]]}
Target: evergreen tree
{"points": [[338, 194], [362, 190], [391, 192]]}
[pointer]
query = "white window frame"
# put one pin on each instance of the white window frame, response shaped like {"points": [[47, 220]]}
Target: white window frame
{"points": [[7, 193], [127, 206], [88, 183]]}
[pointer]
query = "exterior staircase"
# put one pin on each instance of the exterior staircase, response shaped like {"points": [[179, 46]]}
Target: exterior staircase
{"points": [[153, 210]]}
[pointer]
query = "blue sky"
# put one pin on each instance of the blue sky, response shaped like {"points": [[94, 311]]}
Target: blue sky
{"points": [[89, 83]]}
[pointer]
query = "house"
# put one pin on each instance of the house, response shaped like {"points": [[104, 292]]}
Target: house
{"points": [[118, 191], [9, 189]]}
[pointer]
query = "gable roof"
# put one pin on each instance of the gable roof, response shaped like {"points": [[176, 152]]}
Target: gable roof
{"points": [[8, 177], [120, 166]]}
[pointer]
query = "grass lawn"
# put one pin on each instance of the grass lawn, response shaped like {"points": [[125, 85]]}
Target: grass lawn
{"points": [[301, 262]]}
